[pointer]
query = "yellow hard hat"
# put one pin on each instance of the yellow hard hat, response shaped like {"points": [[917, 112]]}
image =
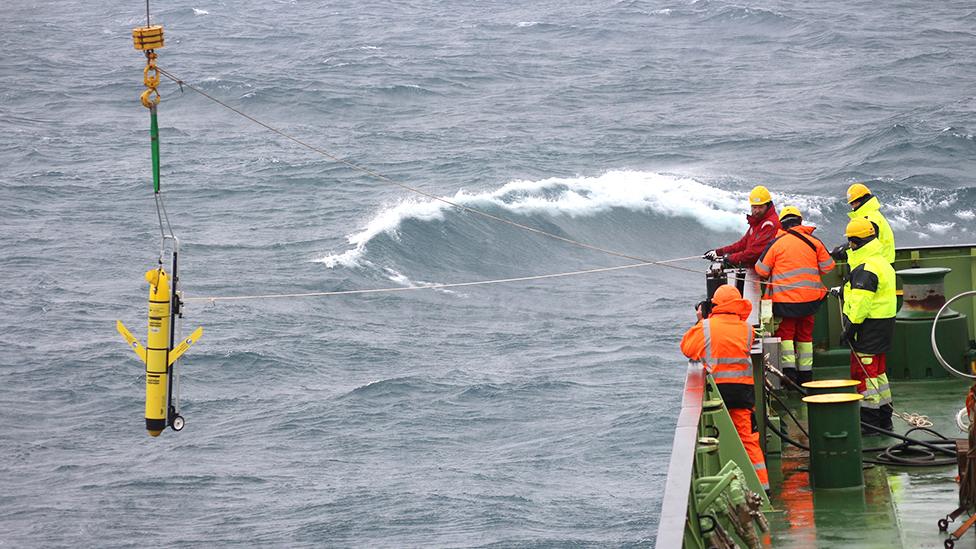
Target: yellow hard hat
{"points": [[856, 191], [759, 195], [859, 227], [789, 210]]}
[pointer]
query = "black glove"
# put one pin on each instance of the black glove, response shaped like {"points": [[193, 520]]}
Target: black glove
{"points": [[710, 255], [837, 291], [839, 253], [848, 336]]}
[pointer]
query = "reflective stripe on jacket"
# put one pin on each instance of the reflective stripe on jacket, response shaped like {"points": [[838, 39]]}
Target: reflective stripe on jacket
{"points": [[872, 211], [723, 341], [794, 266], [869, 298]]}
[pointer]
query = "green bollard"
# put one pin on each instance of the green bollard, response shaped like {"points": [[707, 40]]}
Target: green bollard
{"points": [[829, 386], [835, 440]]}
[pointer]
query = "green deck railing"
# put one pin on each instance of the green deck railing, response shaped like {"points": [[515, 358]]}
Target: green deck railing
{"points": [[707, 459], [674, 507]]}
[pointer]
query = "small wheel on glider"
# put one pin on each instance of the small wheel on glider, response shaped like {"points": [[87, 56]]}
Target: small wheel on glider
{"points": [[943, 525], [178, 423]]}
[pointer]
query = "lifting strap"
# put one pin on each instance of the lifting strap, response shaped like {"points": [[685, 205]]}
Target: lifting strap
{"points": [[803, 238]]}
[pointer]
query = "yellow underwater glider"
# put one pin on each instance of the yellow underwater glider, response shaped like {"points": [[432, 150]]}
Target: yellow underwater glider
{"points": [[160, 355]]}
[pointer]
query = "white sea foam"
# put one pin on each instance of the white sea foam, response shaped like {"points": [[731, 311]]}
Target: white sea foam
{"points": [[940, 228], [662, 194], [715, 208], [387, 221], [397, 277], [910, 211], [200, 12], [526, 24], [403, 280]]}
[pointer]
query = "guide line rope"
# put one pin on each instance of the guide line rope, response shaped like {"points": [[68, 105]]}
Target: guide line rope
{"points": [[435, 286], [381, 177], [373, 173]]}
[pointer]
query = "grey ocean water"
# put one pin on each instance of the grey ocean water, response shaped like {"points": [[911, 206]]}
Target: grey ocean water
{"points": [[524, 414]]}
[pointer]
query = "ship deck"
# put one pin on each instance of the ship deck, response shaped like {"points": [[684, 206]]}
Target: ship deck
{"points": [[899, 506]]}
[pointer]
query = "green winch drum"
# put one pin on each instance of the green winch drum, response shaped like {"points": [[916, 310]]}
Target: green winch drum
{"points": [[830, 386], [835, 440], [911, 356]]}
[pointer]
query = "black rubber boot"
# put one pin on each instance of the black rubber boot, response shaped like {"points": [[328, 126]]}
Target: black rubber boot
{"points": [[805, 376], [870, 416], [793, 376], [884, 417]]}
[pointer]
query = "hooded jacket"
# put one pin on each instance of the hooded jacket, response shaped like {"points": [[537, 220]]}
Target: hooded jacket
{"points": [[724, 339], [869, 298], [871, 210], [762, 230]]}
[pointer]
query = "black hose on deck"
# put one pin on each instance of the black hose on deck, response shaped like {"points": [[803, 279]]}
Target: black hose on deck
{"points": [[895, 455], [787, 410], [910, 452]]}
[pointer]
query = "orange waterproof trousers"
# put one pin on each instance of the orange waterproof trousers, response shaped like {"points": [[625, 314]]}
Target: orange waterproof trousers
{"points": [[745, 425]]}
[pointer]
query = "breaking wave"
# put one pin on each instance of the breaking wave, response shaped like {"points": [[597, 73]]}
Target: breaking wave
{"points": [[563, 203]]}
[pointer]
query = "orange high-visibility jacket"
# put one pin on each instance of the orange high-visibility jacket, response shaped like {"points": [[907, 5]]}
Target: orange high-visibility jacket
{"points": [[793, 264], [722, 341]]}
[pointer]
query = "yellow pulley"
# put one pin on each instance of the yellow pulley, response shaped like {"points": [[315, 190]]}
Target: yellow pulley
{"points": [[148, 39]]}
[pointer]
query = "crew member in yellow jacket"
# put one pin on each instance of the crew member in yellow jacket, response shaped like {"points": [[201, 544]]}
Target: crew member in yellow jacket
{"points": [[865, 205], [869, 319]]}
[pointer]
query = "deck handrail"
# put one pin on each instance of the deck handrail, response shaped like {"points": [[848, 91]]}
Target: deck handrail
{"points": [[677, 489]]}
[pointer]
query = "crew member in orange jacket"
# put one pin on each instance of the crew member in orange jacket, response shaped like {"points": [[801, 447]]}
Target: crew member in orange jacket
{"points": [[793, 263], [722, 342]]}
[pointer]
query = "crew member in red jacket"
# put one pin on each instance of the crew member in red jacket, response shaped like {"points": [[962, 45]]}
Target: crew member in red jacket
{"points": [[763, 226]]}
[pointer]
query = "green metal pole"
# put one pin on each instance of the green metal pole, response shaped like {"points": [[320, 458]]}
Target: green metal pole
{"points": [[154, 137]]}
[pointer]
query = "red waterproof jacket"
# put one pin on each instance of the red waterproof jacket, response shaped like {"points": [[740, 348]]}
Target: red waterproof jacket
{"points": [[762, 231]]}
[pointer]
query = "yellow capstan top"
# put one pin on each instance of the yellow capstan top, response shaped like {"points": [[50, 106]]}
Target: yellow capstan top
{"points": [[830, 383], [833, 398]]}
